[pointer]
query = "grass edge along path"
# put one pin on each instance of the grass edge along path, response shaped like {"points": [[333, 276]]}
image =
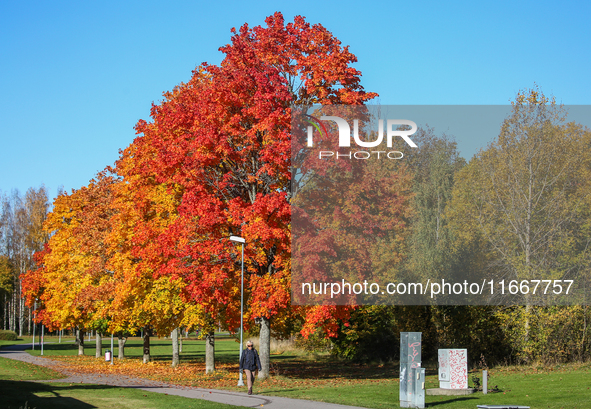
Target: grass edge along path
{"points": [[14, 370]]}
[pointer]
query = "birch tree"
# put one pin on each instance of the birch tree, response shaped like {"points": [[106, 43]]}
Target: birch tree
{"points": [[527, 196]]}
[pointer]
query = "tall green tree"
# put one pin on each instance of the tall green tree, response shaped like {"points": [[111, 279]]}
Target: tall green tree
{"points": [[522, 204], [527, 193], [434, 166]]}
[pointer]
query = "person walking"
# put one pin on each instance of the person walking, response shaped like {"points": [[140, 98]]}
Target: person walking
{"points": [[250, 362]]}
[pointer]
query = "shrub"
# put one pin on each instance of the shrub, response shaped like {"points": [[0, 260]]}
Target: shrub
{"points": [[316, 343], [368, 336], [8, 335]]}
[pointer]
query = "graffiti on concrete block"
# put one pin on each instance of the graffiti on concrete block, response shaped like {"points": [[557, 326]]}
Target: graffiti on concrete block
{"points": [[458, 368], [453, 368]]}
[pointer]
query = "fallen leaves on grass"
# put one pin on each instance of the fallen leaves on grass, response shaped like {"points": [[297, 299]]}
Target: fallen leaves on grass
{"points": [[295, 375]]}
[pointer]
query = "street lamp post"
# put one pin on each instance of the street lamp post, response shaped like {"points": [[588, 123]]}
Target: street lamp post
{"points": [[241, 241]]}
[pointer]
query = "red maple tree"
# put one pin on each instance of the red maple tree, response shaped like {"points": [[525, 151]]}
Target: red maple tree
{"points": [[224, 139]]}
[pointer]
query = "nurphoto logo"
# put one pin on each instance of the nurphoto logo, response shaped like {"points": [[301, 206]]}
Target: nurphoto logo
{"points": [[393, 129]]}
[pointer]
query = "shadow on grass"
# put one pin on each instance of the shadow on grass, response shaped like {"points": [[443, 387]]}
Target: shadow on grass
{"points": [[268, 391], [16, 393], [57, 347], [328, 367], [445, 402]]}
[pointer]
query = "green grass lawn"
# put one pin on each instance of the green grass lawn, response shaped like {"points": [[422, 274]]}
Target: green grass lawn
{"points": [[29, 339], [22, 340], [565, 387], [321, 377], [16, 390], [13, 370], [160, 348]]}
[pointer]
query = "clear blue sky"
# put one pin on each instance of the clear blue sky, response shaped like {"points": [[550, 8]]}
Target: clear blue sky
{"points": [[77, 75]]}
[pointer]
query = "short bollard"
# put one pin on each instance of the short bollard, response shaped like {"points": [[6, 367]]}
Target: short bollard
{"points": [[485, 382], [107, 355]]}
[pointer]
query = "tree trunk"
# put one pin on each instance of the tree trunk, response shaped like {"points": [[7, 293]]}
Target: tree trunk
{"points": [[583, 343], [175, 347], [265, 347], [528, 314], [121, 340], [13, 312], [80, 341], [210, 352], [99, 345], [146, 345], [21, 318]]}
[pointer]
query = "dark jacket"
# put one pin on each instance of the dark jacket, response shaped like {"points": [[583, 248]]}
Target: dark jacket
{"points": [[250, 360]]}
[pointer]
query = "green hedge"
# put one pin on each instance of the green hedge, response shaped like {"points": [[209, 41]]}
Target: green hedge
{"points": [[8, 335]]}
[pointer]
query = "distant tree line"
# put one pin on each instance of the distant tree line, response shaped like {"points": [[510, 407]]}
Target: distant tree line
{"points": [[21, 236]]}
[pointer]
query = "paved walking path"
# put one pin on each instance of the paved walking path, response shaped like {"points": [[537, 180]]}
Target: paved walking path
{"points": [[232, 398]]}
